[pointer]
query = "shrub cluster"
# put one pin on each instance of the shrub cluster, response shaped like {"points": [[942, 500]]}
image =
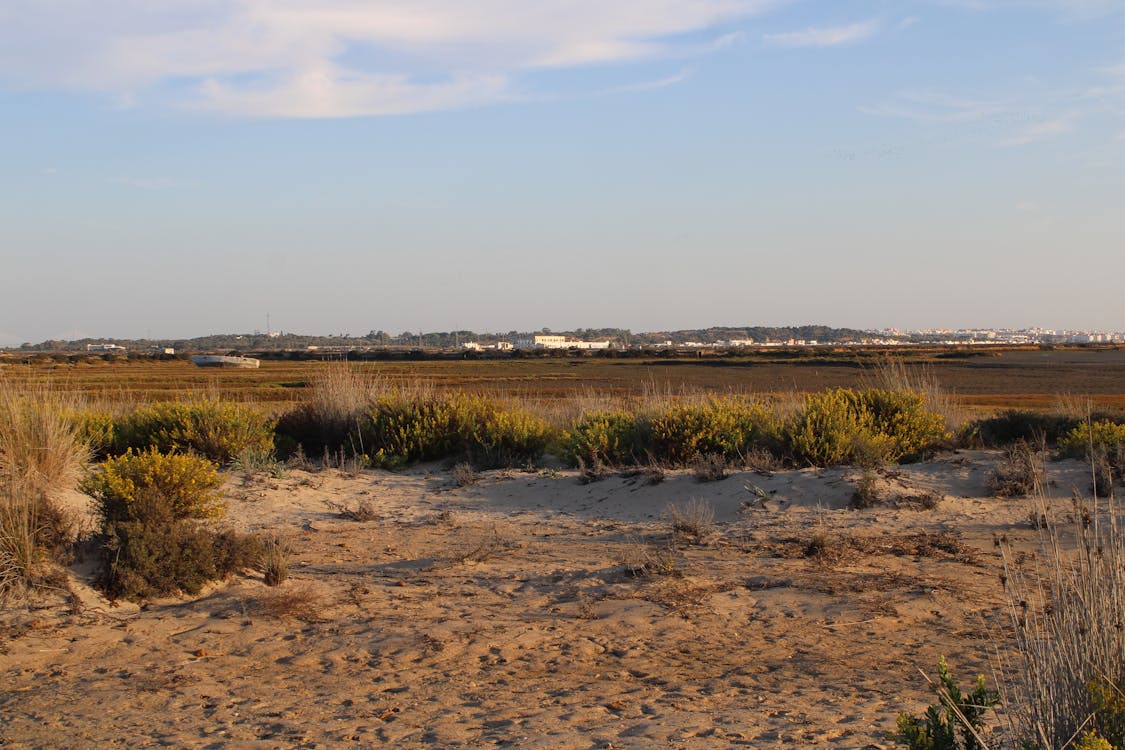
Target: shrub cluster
{"points": [[154, 553], [187, 484], [874, 426], [218, 430], [402, 429], [150, 504], [726, 427], [869, 427]]}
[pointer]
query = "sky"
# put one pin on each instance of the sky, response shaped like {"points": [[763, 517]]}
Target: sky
{"points": [[175, 168]]}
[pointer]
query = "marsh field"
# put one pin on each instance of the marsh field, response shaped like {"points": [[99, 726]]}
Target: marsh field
{"points": [[985, 380], [621, 574]]}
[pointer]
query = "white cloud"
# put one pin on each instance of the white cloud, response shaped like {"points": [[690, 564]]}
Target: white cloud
{"points": [[824, 36], [332, 58]]}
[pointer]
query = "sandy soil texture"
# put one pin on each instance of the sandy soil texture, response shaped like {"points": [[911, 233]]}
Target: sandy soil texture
{"points": [[532, 610]]}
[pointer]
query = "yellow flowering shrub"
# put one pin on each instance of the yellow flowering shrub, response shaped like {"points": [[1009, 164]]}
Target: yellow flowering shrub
{"points": [[219, 430], [187, 484]]}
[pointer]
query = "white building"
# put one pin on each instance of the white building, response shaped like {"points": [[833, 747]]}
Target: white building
{"points": [[550, 341]]}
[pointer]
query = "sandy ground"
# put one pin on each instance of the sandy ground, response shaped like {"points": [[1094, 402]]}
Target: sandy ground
{"points": [[531, 610]]}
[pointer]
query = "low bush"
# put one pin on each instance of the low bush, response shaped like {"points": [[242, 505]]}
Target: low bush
{"points": [[866, 427], [188, 484], [724, 426], [329, 421], [218, 430], [403, 429], [1105, 435], [606, 438], [1013, 425]]}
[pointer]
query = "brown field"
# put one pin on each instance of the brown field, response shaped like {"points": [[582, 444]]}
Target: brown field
{"points": [[1025, 378]]}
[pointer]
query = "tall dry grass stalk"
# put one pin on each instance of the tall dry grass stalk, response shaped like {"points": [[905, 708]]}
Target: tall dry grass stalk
{"points": [[339, 395], [1067, 611], [18, 526], [895, 375], [40, 452], [39, 442]]}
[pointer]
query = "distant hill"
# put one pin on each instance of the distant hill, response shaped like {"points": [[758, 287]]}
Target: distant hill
{"points": [[262, 342]]}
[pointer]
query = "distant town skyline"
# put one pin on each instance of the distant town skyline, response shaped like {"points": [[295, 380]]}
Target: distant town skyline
{"points": [[190, 166]]}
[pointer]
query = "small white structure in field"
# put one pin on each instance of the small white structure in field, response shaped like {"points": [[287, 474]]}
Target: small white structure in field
{"points": [[104, 348]]}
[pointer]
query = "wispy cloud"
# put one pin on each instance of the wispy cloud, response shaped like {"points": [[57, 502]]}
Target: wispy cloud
{"points": [[151, 183], [1040, 131], [931, 106], [340, 58], [826, 36]]}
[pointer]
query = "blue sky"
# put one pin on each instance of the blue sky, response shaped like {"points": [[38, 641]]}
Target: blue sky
{"points": [[185, 167]]}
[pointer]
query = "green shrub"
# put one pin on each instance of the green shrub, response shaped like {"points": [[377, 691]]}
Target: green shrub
{"points": [[404, 429], [188, 484], [956, 714], [607, 438], [1013, 425], [218, 430], [98, 429], [721, 426], [869, 427], [1106, 434], [157, 553]]}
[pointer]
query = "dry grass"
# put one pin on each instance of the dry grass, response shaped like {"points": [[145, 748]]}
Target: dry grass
{"points": [[299, 603], [1066, 612], [275, 559], [1020, 472], [38, 443], [696, 519], [40, 453], [363, 510]]}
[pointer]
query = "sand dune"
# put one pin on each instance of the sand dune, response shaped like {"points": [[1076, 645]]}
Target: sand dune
{"points": [[514, 612]]}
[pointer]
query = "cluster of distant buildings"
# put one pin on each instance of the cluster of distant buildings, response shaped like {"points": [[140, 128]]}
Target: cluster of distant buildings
{"points": [[538, 341], [1008, 336]]}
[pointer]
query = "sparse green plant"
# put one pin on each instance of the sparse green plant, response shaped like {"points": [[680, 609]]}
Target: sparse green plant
{"points": [[1105, 433], [955, 723], [258, 461], [189, 484]]}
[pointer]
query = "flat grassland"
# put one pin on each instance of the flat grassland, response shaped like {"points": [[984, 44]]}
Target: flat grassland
{"points": [[983, 380]]}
